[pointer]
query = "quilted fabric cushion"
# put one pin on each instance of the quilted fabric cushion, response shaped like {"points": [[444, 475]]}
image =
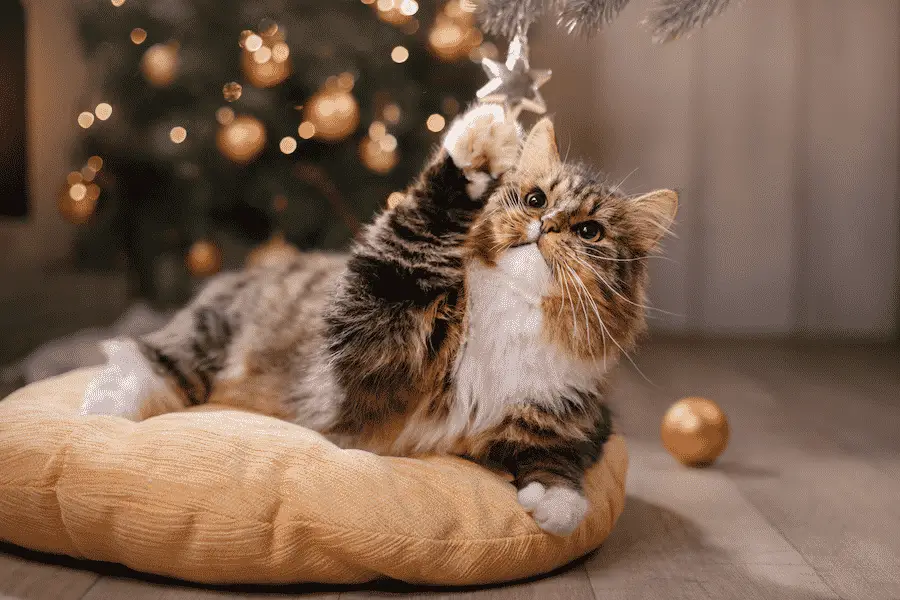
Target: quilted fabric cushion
{"points": [[222, 496]]}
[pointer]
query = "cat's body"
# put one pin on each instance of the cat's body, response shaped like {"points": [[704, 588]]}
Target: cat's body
{"points": [[478, 317]]}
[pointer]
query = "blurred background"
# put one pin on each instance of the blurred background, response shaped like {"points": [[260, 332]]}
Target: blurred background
{"points": [[146, 144]]}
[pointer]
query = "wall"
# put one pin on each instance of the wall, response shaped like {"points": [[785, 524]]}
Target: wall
{"points": [[779, 125], [55, 80]]}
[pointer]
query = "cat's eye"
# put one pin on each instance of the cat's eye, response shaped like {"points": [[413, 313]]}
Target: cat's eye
{"points": [[591, 231], [535, 199]]}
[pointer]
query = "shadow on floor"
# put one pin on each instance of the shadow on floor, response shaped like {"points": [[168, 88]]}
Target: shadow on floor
{"points": [[649, 537]]}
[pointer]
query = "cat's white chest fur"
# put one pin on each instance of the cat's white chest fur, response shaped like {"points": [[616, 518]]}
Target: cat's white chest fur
{"points": [[506, 358]]}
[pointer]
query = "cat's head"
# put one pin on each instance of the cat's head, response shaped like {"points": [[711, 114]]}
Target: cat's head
{"points": [[576, 241]]}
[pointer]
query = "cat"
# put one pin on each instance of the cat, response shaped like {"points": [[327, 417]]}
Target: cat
{"points": [[479, 316]]}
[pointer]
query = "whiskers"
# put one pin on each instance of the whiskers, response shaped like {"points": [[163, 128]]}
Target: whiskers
{"points": [[568, 275]]}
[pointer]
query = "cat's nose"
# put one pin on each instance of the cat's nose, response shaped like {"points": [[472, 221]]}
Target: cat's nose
{"points": [[551, 222], [549, 227]]}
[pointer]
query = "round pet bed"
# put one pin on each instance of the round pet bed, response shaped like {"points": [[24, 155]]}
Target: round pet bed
{"points": [[221, 496]]}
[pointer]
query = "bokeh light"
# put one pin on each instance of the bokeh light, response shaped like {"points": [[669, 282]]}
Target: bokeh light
{"points": [[399, 54], [178, 134], [288, 145], [306, 130], [138, 35], [435, 123], [86, 119], [103, 111]]}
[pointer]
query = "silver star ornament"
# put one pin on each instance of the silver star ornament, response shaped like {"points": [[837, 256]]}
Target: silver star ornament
{"points": [[514, 82]]}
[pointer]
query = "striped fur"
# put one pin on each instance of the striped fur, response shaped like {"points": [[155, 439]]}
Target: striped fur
{"points": [[464, 321]]}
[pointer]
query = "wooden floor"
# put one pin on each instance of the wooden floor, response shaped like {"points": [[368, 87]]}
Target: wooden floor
{"points": [[805, 504]]}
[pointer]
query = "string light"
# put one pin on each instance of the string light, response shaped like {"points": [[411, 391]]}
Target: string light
{"points": [[242, 40], [224, 115], [280, 52], [232, 91], [86, 119], [399, 54], [385, 5], [288, 145], [118, 3], [392, 113], [435, 123], [88, 174], [73, 178], [95, 163], [377, 130], [388, 143], [138, 35], [306, 130], [103, 111], [253, 42], [263, 55], [178, 134], [368, 1], [77, 192], [345, 81], [409, 7]]}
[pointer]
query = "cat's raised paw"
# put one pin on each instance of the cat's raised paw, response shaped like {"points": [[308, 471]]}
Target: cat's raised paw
{"points": [[485, 139], [557, 509]]}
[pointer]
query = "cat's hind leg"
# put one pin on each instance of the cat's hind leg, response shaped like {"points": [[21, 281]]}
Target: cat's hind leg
{"points": [[169, 369], [128, 385]]}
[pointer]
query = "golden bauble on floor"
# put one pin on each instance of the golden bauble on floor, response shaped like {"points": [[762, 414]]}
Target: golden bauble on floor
{"points": [[695, 431], [160, 64], [204, 258], [274, 252], [242, 139], [334, 112]]}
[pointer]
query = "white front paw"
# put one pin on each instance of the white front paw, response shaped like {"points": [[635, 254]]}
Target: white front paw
{"points": [[557, 510], [484, 139]]}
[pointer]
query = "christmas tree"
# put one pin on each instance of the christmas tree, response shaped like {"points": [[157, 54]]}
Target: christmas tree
{"points": [[212, 126]]}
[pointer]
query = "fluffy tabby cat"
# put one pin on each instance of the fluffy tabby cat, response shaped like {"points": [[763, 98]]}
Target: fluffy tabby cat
{"points": [[478, 317]]}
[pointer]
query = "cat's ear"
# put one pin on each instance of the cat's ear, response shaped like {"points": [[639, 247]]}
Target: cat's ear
{"points": [[540, 153], [653, 215]]}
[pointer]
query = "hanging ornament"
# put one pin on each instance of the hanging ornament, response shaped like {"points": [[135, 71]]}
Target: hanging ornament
{"points": [[333, 112], [160, 64], [514, 82], [242, 139], [204, 258], [695, 431], [379, 155], [273, 252]]}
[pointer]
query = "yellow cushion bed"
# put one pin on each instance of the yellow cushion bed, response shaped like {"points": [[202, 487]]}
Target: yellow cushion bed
{"points": [[222, 496]]}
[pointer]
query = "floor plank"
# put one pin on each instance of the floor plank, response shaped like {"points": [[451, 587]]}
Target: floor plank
{"points": [[113, 588], [22, 579]]}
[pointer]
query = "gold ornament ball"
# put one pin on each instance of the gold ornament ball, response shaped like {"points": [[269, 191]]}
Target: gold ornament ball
{"points": [[695, 431], [379, 156], [266, 74], [334, 113], [204, 258], [274, 252], [242, 139], [160, 64]]}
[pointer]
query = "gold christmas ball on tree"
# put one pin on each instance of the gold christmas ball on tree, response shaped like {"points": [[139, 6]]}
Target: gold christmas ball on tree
{"points": [[695, 431], [263, 69], [276, 251], [379, 155], [242, 139], [334, 112], [160, 64], [204, 258]]}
